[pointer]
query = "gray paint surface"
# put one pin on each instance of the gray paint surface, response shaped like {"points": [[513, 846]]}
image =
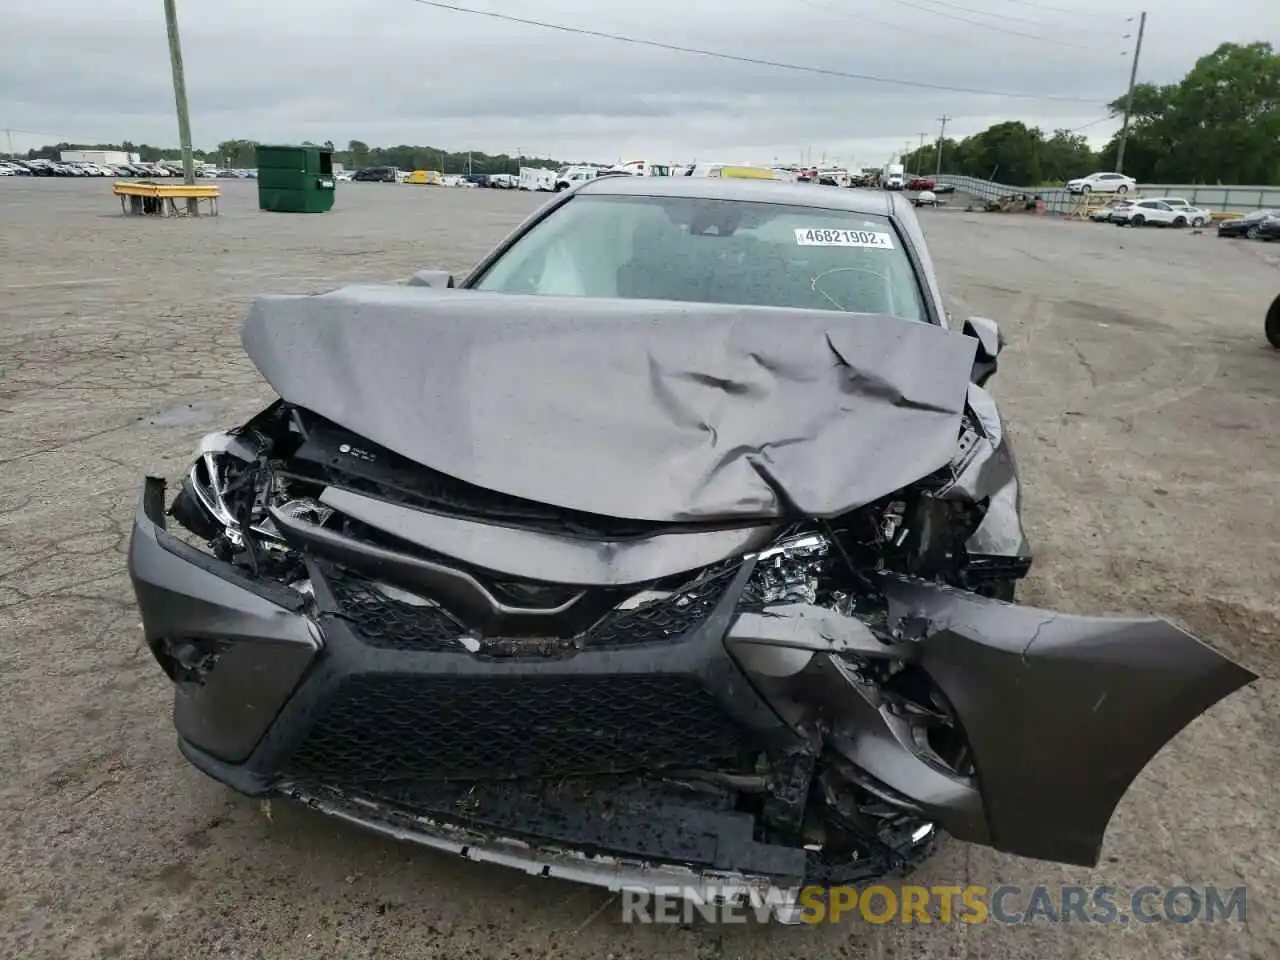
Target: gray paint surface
{"points": [[534, 555], [649, 410]]}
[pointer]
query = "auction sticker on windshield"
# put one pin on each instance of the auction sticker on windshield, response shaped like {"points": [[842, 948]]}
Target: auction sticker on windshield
{"points": [[843, 238]]}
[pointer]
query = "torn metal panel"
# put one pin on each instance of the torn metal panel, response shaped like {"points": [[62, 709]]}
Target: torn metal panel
{"points": [[640, 409], [986, 471], [1061, 711]]}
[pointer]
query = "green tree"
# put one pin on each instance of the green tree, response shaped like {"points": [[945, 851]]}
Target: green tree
{"points": [[1220, 124], [1008, 152], [240, 154], [357, 154], [1064, 156]]}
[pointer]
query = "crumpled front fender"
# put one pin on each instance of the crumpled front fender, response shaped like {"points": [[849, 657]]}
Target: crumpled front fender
{"points": [[1061, 712]]}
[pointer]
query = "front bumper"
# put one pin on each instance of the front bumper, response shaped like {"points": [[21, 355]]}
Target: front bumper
{"points": [[277, 692], [300, 700]]}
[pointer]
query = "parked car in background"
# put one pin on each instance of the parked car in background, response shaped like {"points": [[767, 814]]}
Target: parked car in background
{"points": [[1149, 213], [1250, 225], [917, 182], [1269, 228], [376, 175], [1104, 214], [1196, 216], [925, 198], [1102, 183]]}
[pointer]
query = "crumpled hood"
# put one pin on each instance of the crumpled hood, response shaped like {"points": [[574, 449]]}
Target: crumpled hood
{"points": [[643, 409]]}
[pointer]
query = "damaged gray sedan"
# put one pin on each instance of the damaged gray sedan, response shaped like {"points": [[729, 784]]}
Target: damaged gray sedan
{"points": [[676, 544]]}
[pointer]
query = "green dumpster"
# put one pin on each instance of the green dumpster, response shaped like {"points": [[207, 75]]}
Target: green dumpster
{"points": [[295, 179]]}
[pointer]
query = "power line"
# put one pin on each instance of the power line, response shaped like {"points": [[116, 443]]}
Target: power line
{"points": [[1091, 123], [1009, 16], [988, 26], [915, 31], [861, 18], [777, 64], [1036, 4]]}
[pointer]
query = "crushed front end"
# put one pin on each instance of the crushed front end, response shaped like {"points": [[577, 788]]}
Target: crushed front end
{"points": [[640, 704]]}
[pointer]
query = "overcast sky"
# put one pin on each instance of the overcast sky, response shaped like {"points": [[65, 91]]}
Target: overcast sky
{"points": [[397, 71]]}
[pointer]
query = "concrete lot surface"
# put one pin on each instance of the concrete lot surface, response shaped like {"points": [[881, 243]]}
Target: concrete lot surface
{"points": [[1137, 381]]}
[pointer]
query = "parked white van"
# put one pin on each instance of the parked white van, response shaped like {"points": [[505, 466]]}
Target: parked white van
{"points": [[536, 178]]}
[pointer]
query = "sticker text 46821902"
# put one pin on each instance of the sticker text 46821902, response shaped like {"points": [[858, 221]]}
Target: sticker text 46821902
{"points": [[819, 237]]}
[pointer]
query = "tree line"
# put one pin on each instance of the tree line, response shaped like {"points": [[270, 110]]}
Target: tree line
{"points": [[1219, 124], [241, 155]]}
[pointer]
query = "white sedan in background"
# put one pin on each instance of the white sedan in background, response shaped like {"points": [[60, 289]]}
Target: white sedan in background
{"points": [[1102, 183], [1156, 213]]}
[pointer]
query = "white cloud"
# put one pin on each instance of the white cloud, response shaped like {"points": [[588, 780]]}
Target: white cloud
{"points": [[396, 71]]}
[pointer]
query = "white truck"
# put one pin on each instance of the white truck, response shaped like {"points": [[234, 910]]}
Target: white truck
{"points": [[894, 177], [643, 168], [537, 178], [572, 176]]}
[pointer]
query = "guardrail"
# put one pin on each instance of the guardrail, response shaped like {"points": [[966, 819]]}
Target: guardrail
{"points": [[1233, 198]]}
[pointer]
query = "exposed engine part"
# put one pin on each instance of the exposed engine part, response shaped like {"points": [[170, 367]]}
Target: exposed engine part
{"points": [[789, 571]]}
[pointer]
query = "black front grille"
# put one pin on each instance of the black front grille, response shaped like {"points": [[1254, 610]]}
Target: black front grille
{"points": [[382, 621], [383, 729], [660, 621]]}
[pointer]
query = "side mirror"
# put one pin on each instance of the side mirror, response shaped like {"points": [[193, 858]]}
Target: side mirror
{"points": [[440, 279], [990, 343]]}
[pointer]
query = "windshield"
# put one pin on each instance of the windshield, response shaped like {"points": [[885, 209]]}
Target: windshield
{"points": [[713, 251]]}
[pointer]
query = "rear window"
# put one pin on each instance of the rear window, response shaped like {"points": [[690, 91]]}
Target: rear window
{"points": [[713, 251]]}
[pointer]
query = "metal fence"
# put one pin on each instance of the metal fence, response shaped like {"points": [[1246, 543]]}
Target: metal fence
{"points": [[1224, 199]]}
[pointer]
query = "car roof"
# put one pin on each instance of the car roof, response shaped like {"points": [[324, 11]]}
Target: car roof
{"points": [[757, 191]]}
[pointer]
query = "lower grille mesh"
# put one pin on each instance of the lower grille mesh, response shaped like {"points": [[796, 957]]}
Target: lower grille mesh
{"points": [[660, 621], [382, 729], [381, 621]]}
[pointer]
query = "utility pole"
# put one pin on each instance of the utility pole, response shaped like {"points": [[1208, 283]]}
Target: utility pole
{"points": [[180, 96], [1128, 100], [942, 133], [9, 134]]}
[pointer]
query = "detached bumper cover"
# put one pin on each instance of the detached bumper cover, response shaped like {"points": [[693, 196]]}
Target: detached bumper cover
{"points": [[301, 697]]}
